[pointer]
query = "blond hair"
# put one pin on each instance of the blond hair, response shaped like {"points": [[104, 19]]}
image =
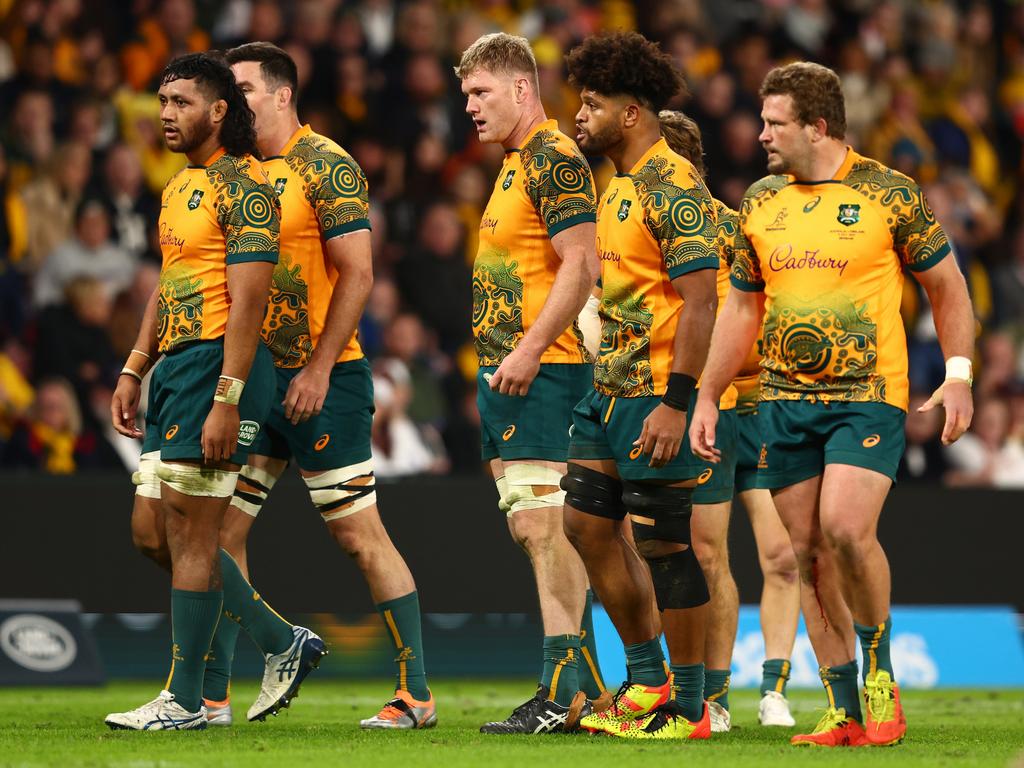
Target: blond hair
{"points": [[683, 137], [499, 53]]}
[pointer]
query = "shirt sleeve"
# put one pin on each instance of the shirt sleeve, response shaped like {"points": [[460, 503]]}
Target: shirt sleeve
{"points": [[341, 200], [745, 273], [686, 228], [561, 187], [250, 219], [917, 237]]}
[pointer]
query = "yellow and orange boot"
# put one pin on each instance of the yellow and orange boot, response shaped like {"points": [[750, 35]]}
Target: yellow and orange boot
{"points": [[885, 723], [834, 729], [667, 722], [632, 701]]}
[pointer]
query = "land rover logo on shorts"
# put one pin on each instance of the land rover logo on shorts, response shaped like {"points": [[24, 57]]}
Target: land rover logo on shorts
{"points": [[37, 643], [705, 476], [279, 186], [247, 432], [624, 209], [193, 202], [507, 434], [169, 435], [508, 179], [871, 441], [849, 214]]}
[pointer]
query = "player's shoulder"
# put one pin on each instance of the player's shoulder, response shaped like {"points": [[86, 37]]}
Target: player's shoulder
{"points": [[763, 190], [548, 146], [728, 219], [314, 145], [867, 174], [236, 172]]}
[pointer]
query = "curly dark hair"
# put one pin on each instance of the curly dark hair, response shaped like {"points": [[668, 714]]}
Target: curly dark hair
{"points": [[626, 63], [816, 91], [215, 79]]}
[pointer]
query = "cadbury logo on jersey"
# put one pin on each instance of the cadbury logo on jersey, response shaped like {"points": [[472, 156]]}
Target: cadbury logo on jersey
{"points": [[782, 259]]}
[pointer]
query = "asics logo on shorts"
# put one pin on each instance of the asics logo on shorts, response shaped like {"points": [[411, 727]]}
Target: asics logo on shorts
{"points": [[635, 453], [705, 476], [507, 434], [871, 441], [322, 442], [171, 432]]}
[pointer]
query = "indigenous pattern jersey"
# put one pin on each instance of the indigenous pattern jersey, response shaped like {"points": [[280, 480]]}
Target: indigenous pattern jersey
{"points": [[742, 393], [323, 194], [210, 216], [829, 256], [544, 188], [654, 224]]}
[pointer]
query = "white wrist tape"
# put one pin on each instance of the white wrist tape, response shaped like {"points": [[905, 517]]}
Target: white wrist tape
{"points": [[959, 368], [229, 390]]}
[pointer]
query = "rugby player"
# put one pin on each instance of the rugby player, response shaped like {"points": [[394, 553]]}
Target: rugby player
{"points": [[322, 411], [820, 252], [656, 231], [533, 273], [219, 236], [739, 439]]}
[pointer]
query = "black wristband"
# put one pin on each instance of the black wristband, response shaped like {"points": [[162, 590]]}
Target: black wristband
{"points": [[677, 394]]}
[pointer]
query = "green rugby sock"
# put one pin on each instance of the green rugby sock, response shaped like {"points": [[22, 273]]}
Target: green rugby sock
{"points": [[841, 688], [716, 686], [646, 663], [243, 604], [561, 668], [874, 642], [591, 680], [217, 681], [774, 675], [194, 617], [689, 682], [402, 617]]}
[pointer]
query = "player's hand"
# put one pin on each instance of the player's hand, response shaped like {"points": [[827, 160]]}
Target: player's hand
{"points": [[220, 432], [124, 406], [702, 431], [516, 372], [662, 434], [306, 394], [955, 396]]}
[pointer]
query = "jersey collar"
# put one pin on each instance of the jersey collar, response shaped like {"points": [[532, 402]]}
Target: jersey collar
{"points": [[657, 148], [220, 152], [551, 124], [299, 134]]}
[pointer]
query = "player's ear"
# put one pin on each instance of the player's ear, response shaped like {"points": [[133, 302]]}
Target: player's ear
{"points": [[630, 115], [819, 129], [218, 111], [284, 97]]}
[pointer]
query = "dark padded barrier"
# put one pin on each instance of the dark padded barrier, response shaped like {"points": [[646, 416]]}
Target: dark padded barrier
{"points": [[69, 538]]}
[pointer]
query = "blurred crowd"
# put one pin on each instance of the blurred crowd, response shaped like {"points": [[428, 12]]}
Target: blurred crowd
{"points": [[934, 88]]}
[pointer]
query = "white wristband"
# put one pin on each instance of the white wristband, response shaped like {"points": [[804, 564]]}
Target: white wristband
{"points": [[229, 390], [959, 368]]}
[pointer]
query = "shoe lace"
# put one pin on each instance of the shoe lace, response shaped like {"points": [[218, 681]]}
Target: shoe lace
{"points": [[614, 709], [881, 707], [393, 710], [833, 718]]}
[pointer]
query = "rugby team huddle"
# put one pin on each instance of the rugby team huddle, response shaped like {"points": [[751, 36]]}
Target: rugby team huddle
{"points": [[645, 355]]}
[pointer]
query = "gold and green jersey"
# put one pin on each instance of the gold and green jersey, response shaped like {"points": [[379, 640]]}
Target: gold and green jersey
{"points": [[829, 256], [742, 393], [323, 195], [654, 224], [543, 188], [212, 215]]}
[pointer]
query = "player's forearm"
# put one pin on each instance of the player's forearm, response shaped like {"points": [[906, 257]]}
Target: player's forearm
{"points": [[570, 290], [249, 287], [954, 318], [351, 293], [693, 335], [734, 334]]}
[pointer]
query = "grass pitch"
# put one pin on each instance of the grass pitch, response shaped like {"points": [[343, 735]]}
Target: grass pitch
{"points": [[65, 727]]}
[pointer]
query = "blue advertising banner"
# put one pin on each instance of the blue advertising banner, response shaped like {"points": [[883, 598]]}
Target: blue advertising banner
{"points": [[932, 646]]}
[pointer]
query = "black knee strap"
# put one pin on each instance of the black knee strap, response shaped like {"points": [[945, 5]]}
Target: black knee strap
{"points": [[593, 492], [669, 507], [678, 580]]}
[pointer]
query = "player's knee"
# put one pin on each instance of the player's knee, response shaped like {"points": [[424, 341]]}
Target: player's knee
{"points": [[531, 531], [148, 542], [712, 556], [848, 538], [660, 517], [251, 490], [527, 486], [579, 531], [779, 563], [339, 493]]}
